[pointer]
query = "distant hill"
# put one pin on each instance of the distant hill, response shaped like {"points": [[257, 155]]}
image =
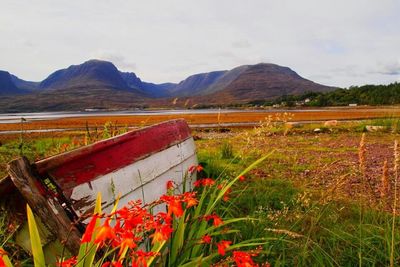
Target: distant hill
{"points": [[151, 90], [196, 84], [92, 73], [82, 86], [7, 86], [24, 85], [265, 81], [243, 84]]}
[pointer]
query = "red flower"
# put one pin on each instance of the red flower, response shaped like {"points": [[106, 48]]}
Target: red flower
{"points": [[204, 182], [67, 263], [87, 235], [226, 195], [140, 256], [113, 264], [170, 185], [197, 183], [206, 239], [243, 259], [162, 234], [224, 244], [217, 220], [105, 232], [208, 182], [197, 168], [242, 178]]}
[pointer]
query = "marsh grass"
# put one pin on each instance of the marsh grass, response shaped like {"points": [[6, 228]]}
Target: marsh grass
{"points": [[227, 150], [307, 225]]}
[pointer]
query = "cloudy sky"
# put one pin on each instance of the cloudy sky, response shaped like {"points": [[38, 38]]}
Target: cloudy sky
{"points": [[334, 42]]}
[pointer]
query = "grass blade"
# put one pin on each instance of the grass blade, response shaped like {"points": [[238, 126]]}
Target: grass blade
{"points": [[36, 245]]}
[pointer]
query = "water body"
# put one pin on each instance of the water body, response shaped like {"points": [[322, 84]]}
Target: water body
{"points": [[16, 117]]}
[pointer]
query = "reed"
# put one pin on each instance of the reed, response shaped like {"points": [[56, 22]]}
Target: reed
{"points": [[394, 208], [384, 186]]}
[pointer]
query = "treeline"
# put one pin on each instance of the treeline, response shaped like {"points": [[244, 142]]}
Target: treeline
{"points": [[361, 95]]}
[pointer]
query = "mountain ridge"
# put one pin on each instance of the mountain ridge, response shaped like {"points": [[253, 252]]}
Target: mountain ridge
{"points": [[93, 77]]}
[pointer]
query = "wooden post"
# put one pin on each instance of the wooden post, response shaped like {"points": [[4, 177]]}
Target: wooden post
{"points": [[48, 209]]}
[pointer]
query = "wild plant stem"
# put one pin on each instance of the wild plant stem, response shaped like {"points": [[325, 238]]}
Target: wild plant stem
{"points": [[396, 176]]}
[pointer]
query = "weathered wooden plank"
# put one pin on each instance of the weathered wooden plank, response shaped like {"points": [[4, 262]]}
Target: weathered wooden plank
{"points": [[85, 164], [47, 208]]}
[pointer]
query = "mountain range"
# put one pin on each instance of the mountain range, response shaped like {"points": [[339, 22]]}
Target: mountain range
{"points": [[99, 84]]}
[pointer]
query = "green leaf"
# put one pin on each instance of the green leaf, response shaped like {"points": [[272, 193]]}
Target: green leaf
{"points": [[87, 251], [5, 258], [36, 245], [157, 247], [229, 185], [178, 238]]}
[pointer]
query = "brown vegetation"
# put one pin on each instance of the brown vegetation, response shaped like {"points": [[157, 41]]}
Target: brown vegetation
{"points": [[211, 118]]}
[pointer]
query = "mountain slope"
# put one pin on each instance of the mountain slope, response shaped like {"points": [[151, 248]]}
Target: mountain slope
{"points": [[267, 81], [245, 83], [7, 86], [151, 90], [196, 84], [24, 85], [99, 84], [92, 73]]}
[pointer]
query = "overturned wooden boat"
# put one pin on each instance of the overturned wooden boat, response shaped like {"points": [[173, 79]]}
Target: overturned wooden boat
{"points": [[61, 190]]}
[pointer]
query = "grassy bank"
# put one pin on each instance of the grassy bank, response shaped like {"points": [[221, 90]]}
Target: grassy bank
{"points": [[310, 199]]}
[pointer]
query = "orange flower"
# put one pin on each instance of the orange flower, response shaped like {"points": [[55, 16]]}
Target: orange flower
{"points": [[105, 232], [191, 202], [243, 259], [189, 198], [175, 207], [224, 244], [217, 220], [87, 235], [127, 243], [204, 182]]}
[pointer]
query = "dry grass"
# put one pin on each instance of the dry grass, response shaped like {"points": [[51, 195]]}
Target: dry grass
{"points": [[240, 116]]}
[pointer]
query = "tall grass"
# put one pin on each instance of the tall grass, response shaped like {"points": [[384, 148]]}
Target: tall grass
{"points": [[306, 227]]}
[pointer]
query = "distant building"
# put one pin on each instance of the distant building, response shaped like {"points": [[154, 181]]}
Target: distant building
{"points": [[353, 105]]}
